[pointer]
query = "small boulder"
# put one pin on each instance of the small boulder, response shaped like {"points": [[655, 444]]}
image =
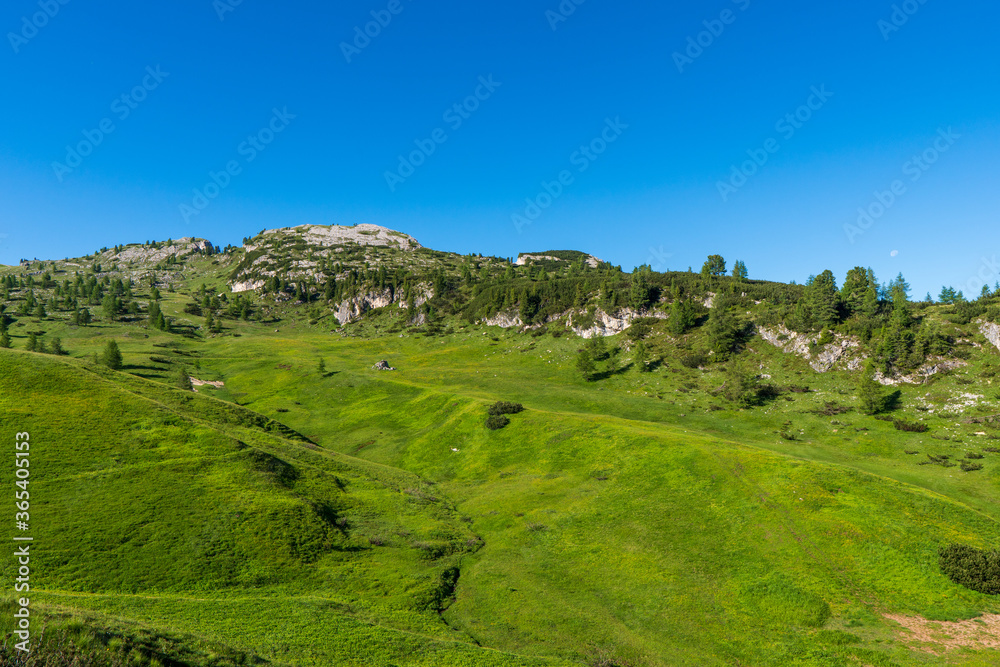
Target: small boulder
{"points": [[383, 366]]}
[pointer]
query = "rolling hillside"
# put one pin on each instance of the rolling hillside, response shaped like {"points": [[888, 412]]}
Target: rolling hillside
{"points": [[301, 508]]}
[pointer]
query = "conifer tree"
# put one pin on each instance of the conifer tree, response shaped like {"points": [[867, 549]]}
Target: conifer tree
{"points": [[182, 380], [5, 340], [112, 357]]}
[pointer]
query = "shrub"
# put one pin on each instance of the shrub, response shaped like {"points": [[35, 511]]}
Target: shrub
{"points": [[496, 422], [974, 455], [505, 408], [970, 567], [695, 360], [968, 466], [909, 427]]}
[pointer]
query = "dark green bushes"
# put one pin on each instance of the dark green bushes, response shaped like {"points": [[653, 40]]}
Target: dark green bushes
{"points": [[909, 427], [505, 408], [970, 567], [496, 422]]}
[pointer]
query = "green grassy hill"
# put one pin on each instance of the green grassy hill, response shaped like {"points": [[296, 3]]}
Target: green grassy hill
{"points": [[640, 515]]}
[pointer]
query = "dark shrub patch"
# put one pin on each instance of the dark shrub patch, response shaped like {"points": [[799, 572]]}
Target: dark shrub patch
{"points": [[496, 422], [505, 408], [910, 427], [968, 466], [971, 567], [973, 455], [694, 360]]}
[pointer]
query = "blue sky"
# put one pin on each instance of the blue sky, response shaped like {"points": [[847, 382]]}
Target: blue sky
{"points": [[593, 94]]}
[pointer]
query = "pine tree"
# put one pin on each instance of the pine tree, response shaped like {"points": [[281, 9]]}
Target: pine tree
{"points": [[5, 340], [112, 357], [740, 271], [32, 343], [40, 311], [321, 366], [56, 348], [640, 357], [870, 393], [723, 329], [182, 380], [585, 364], [682, 317]]}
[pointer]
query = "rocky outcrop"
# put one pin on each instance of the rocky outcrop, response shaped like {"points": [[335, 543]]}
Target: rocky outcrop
{"points": [[147, 255], [932, 367], [524, 258], [246, 286], [991, 332], [609, 324], [823, 360], [364, 235], [504, 320], [353, 308], [383, 366]]}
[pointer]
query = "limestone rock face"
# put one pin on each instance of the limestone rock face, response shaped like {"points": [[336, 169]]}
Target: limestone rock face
{"points": [[335, 235], [991, 331], [610, 324], [793, 342], [932, 367], [246, 286], [504, 321]]}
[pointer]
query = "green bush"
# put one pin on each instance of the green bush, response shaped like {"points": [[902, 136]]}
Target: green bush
{"points": [[496, 422], [970, 567], [505, 408]]}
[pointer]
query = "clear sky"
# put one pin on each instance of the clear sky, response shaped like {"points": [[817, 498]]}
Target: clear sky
{"points": [[641, 109]]}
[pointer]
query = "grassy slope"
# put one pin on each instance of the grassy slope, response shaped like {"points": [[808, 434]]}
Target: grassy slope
{"points": [[157, 506], [624, 515]]}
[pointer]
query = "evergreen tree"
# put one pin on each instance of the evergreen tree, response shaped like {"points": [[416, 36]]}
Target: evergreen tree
{"points": [[740, 271], [741, 386], [822, 296], [321, 366], [5, 340], [112, 357], [182, 380], [40, 311], [640, 357], [682, 317], [870, 393], [585, 364], [715, 265], [723, 329], [32, 343], [56, 348]]}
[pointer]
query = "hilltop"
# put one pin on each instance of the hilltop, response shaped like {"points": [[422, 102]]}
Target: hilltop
{"points": [[708, 469]]}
